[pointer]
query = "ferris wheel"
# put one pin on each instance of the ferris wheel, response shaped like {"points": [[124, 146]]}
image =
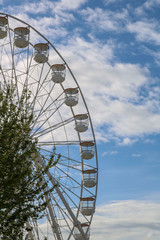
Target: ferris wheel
{"points": [[62, 124]]}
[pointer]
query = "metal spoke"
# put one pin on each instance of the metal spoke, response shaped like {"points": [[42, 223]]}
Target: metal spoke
{"points": [[53, 127], [44, 110], [58, 143]]}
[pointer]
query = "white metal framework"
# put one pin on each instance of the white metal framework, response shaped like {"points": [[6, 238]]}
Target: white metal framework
{"points": [[62, 124]]}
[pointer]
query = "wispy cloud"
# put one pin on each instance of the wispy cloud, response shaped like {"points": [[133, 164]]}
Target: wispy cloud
{"points": [[109, 153], [43, 6], [112, 92], [107, 2], [145, 30], [136, 155], [107, 20], [126, 220], [147, 5], [127, 141], [70, 4], [30, 7], [149, 140]]}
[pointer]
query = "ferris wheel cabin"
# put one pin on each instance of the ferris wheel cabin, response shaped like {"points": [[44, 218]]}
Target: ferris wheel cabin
{"points": [[89, 178], [87, 206], [78, 235], [41, 52], [81, 122], [3, 27], [87, 150], [21, 37], [71, 97], [58, 73]]}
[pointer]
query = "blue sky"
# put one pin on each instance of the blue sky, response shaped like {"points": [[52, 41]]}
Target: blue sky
{"points": [[113, 48]]}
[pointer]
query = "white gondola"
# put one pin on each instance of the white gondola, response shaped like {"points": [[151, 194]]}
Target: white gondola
{"points": [[81, 122], [71, 97], [89, 178], [78, 235], [87, 206], [21, 37], [3, 27], [87, 150], [58, 73], [41, 52]]}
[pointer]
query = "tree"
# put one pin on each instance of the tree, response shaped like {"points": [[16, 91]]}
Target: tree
{"points": [[22, 188]]}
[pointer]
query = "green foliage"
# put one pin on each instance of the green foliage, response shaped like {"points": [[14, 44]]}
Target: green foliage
{"points": [[22, 188]]}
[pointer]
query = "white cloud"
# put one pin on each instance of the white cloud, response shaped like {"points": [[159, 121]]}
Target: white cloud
{"points": [[107, 2], [132, 120], [34, 7], [47, 6], [147, 5], [54, 15], [146, 31], [126, 220], [151, 3], [70, 4], [149, 141], [112, 92], [153, 53], [100, 19], [127, 141], [109, 153]]}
